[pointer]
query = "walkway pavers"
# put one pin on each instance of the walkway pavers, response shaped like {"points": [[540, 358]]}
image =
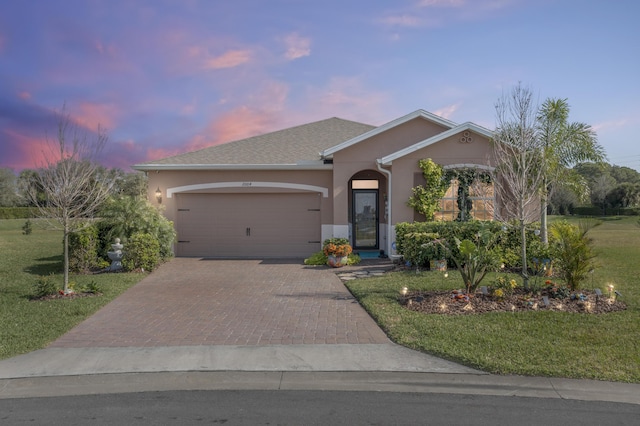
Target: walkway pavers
{"points": [[191, 302]]}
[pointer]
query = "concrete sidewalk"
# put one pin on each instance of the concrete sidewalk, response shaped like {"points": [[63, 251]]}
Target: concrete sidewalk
{"points": [[383, 368]]}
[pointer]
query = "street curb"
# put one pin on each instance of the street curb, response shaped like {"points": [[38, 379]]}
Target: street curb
{"points": [[362, 381]]}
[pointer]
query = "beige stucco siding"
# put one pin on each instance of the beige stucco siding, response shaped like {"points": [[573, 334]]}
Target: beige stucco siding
{"points": [[167, 179], [364, 156], [446, 152]]}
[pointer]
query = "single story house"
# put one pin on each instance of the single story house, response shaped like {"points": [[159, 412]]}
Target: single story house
{"points": [[282, 193]]}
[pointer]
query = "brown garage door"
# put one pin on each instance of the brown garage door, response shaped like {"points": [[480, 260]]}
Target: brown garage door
{"points": [[248, 225]]}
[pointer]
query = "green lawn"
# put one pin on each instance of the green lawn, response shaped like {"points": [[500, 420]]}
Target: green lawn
{"points": [[604, 347], [28, 325]]}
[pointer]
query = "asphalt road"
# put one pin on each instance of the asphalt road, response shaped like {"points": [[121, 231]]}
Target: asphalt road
{"points": [[311, 408]]}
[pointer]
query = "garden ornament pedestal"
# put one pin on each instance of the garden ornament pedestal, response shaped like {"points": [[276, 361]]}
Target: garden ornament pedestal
{"points": [[337, 261], [115, 256]]}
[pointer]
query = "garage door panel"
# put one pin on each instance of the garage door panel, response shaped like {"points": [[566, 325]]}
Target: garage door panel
{"points": [[248, 225]]}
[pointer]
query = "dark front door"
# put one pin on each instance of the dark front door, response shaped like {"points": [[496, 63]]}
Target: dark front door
{"points": [[365, 219]]}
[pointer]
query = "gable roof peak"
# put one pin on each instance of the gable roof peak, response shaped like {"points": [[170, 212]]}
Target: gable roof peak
{"points": [[420, 113]]}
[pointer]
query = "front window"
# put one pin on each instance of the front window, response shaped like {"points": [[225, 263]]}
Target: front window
{"points": [[465, 202]]}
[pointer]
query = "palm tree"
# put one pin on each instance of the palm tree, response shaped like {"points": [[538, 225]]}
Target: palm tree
{"points": [[564, 145]]}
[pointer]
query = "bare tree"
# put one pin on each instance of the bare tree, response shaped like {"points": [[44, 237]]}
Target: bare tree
{"points": [[73, 183], [518, 155]]}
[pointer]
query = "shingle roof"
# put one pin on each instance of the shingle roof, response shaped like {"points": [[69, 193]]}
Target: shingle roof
{"points": [[295, 145]]}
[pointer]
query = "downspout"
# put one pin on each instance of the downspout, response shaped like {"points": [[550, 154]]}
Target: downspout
{"points": [[389, 204]]}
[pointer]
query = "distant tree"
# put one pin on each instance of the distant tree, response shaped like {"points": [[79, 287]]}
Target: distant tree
{"points": [[562, 200], [623, 195], [600, 188], [8, 188], [130, 184], [564, 145], [72, 182], [29, 187], [590, 171], [518, 156], [624, 174]]}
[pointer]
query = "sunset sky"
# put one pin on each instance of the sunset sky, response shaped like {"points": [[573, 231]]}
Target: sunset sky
{"points": [[169, 76]]}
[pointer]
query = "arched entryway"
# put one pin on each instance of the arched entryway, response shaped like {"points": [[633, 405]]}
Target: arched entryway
{"points": [[367, 210]]}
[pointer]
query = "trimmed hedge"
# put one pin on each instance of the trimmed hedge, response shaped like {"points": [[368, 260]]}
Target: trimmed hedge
{"points": [[411, 236], [18, 212], [609, 211]]}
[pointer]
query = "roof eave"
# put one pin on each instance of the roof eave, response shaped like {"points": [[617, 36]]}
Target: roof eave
{"points": [[302, 166]]}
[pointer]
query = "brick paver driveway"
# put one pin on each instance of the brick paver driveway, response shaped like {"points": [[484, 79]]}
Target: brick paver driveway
{"points": [[229, 302]]}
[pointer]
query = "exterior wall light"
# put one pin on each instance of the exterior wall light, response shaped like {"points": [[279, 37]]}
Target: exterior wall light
{"points": [[159, 195]]}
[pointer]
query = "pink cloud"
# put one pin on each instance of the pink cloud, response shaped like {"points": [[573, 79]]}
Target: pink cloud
{"points": [[611, 125], [447, 111], [348, 98], [24, 95], [157, 153], [240, 123], [108, 49], [264, 115], [244, 122], [91, 115], [230, 59], [297, 46], [25, 151], [436, 13]]}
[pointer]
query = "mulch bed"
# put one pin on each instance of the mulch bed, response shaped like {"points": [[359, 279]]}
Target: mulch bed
{"points": [[445, 302]]}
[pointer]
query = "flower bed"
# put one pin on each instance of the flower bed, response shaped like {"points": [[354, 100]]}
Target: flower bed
{"points": [[457, 303]]}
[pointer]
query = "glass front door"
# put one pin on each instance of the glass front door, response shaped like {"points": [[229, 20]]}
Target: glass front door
{"points": [[365, 219]]}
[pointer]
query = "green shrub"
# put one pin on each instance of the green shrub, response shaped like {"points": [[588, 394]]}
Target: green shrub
{"points": [[45, 286], [572, 252], [505, 284], [27, 228], [124, 216], [476, 257], [411, 235], [92, 287], [556, 291], [141, 252], [83, 249], [319, 258]]}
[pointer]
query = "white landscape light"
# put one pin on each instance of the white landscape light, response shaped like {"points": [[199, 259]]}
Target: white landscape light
{"points": [[404, 291]]}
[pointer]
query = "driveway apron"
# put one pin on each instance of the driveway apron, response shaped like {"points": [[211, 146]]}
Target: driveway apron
{"points": [[189, 301]]}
